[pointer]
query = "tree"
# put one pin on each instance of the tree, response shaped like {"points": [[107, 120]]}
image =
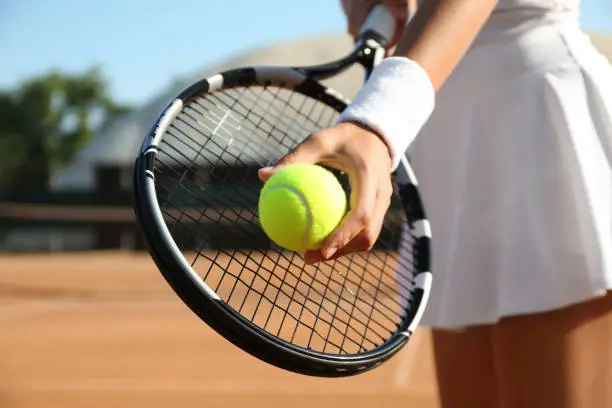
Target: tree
{"points": [[46, 120]]}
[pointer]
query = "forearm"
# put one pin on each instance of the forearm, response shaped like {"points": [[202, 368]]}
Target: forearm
{"points": [[441, 32]]}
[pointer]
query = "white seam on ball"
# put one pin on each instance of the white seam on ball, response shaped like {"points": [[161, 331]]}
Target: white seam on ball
{"points": [[308, 213], [396, 102]]}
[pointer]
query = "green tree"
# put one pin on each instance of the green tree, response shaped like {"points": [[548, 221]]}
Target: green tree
{"points": [[46, 120]]}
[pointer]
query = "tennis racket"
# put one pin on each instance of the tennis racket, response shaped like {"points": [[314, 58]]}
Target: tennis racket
{"points": [[195, 197]]}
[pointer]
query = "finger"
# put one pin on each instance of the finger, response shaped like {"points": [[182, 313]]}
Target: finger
{"points": [[358, 16], [312, 150], [363, 200], [313, 257], [367, 237], [360, 243], [399, 32], [398, 8]]}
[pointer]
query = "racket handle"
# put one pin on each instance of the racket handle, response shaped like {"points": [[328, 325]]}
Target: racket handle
{"points": [[381, 21]]}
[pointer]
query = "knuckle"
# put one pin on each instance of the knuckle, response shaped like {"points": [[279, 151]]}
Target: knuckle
{"points": [[363, 218], [288, 158], [362, 164], [320, 142], [364, 167], [368, 238]]}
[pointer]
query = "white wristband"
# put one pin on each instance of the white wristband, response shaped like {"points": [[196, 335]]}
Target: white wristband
{"points": [[396, 101]]}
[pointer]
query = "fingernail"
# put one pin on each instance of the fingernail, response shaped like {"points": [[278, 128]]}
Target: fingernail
{"points": [[329, 252], [269, 168], [308, 258]]}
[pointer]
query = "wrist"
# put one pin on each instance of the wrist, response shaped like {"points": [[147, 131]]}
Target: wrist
{"points": [[395, 103], [375, 134]]}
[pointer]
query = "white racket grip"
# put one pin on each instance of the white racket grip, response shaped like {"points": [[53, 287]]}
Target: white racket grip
{"points": [[381, 21], [396, 101]]}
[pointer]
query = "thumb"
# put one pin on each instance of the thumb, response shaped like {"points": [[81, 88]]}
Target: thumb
{"points": [[310, 151]]}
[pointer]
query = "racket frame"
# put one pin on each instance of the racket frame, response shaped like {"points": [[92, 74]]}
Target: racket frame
{"points": [[201, 299]]}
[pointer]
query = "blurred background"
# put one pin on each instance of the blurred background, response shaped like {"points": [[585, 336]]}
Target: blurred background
{"points": [[85, 317]]}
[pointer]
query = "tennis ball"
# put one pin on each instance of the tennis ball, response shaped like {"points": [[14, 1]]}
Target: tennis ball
{"points": [[300, 206]]}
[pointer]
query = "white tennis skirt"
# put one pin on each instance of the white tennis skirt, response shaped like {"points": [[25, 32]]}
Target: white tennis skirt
{"points": [[515, 168]]}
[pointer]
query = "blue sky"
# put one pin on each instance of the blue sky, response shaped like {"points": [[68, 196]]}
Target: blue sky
{"points": [[142, 45]]}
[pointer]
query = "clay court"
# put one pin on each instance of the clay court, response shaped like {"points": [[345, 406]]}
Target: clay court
{"points": [[104, 329]]}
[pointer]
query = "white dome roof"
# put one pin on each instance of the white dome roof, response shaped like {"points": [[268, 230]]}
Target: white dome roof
{"points": [[119, 144]]}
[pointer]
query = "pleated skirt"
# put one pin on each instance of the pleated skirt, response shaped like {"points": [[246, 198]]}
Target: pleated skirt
{"points": [[515, 169]]}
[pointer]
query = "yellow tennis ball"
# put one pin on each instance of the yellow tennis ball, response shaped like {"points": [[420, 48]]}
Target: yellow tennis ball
{"points": [[300, 206]]}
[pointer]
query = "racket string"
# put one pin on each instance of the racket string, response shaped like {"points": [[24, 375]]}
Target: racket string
{"points": [[279, 288], [314, 307], [306, 296], [301, 108], [353, 304], [273, 127]]}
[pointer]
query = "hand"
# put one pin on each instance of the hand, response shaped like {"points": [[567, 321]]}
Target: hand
{"points": [[365, 158], [357, 11]]}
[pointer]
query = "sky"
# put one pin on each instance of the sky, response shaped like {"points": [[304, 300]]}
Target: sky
{"points": [[144, 45]]}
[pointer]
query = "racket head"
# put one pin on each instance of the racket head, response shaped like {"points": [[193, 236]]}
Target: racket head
{"points": [[201, 229]]}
